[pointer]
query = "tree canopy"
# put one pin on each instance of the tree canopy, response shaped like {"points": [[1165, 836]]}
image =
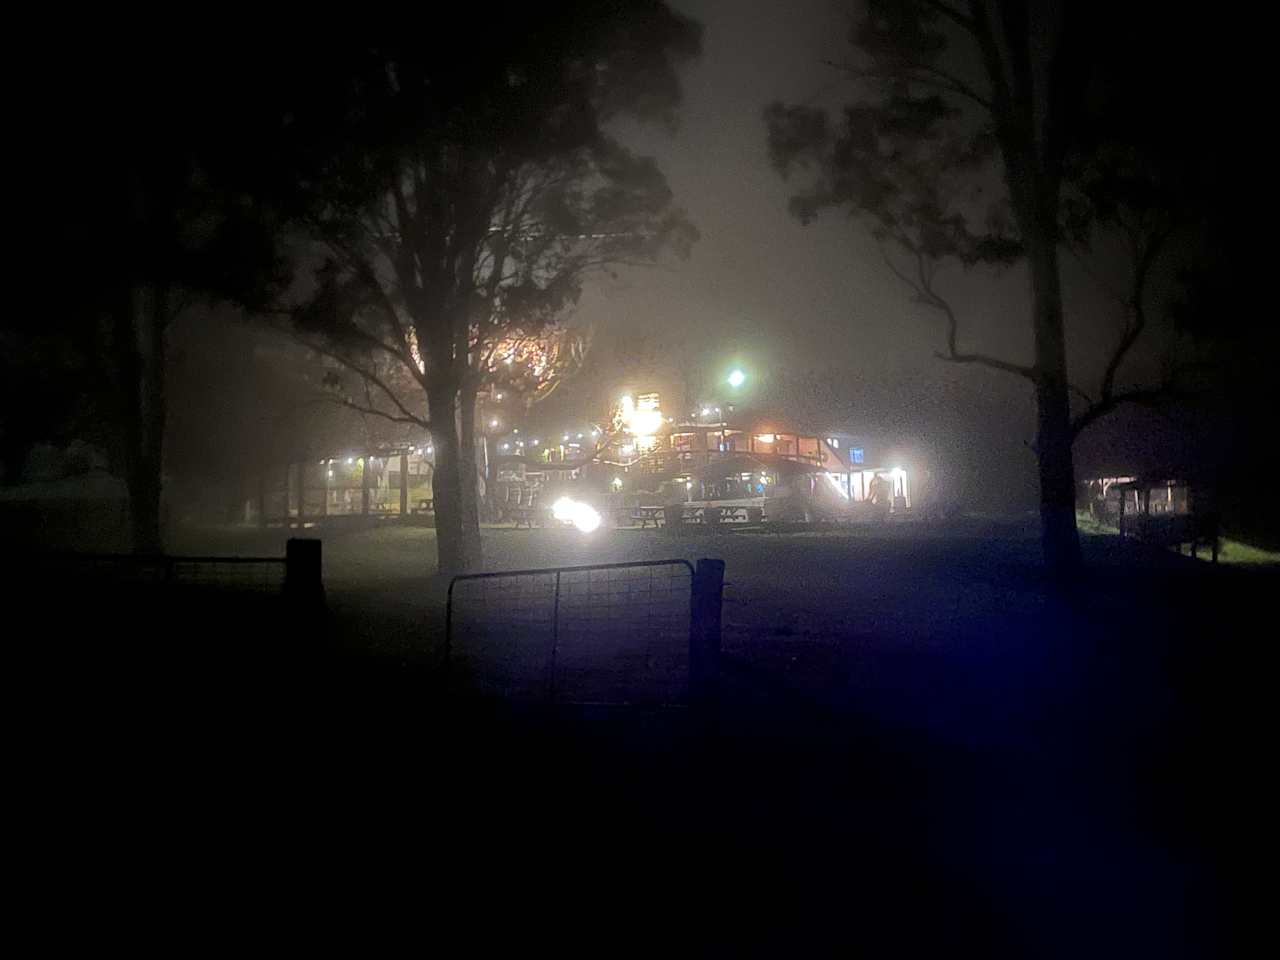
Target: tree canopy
{"points": [[990, 133], [452, 203]]}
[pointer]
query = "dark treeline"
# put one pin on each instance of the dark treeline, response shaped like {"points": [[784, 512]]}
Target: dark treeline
{"points": [[406, 192]]}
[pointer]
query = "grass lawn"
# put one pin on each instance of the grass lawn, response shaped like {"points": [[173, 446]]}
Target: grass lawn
{"points": [[1234, 551], [921, 743], [1229, 550]]}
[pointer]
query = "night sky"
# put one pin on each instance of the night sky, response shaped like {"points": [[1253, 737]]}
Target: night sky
{"points": [[791, 298], [795, 303]]}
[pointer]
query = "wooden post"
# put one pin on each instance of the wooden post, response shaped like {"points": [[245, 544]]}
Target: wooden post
{"points": [[404, 485], [365, 472], [303, 578], [704, 631]]}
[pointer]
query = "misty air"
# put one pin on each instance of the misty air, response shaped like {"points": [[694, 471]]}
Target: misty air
{"points": [[716, 477]]}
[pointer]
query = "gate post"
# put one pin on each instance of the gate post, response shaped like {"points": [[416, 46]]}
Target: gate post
{"points": [[303, 583], [704, 631]]}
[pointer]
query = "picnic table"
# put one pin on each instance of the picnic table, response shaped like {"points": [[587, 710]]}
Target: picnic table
{"points": [[647, 515], [714, 514], [657, 515], [523, 516]]}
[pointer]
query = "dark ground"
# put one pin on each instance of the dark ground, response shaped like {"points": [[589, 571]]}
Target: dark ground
{"points": [[920, 747]]}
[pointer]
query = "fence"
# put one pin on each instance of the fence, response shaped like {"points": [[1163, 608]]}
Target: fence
{"points": [[644, 632], [297, 573]]}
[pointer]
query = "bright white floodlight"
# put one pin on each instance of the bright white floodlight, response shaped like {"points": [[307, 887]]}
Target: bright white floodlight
{"points": [[581, 515]]}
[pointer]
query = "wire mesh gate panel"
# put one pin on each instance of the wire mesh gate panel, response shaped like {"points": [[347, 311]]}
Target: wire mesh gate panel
{"points": [[610, 634]]}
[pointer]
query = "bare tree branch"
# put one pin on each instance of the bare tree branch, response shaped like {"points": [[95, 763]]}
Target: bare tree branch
{"points": [[1080, 393], [1146, 248], [901, 274], [1001, 98], [924, 74], [375, 412], [1102, 283], [926, 294], [367, 376], [951, 13], [401, 350], [1148, 396], [1147, 253]]}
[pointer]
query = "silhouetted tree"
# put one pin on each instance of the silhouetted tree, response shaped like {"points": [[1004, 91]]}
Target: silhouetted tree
{"points": [[1124, 190], [961, 147], [35, 406], [148, 210], [460, 198]]}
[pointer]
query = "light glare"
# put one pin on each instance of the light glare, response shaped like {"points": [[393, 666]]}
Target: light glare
{"points": [[582, 515]]}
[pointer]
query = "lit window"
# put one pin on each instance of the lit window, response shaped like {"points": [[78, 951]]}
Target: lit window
{"points": [[835, 443], [857, 455]]}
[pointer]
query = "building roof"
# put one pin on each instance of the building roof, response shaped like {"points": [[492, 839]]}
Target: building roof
{"points": [[750, 421]]}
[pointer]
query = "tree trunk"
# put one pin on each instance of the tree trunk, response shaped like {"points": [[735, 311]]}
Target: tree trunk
{"points": [[144, 508], [457, 546], [467, 459], [141, 342], [1059, 538]]}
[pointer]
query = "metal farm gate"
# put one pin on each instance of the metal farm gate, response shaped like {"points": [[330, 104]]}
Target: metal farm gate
{"points": [[644, 632]]}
